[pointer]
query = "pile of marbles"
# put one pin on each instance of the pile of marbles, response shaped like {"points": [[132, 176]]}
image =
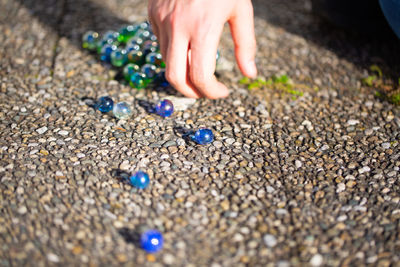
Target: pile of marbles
{"points": [[134, 49]]}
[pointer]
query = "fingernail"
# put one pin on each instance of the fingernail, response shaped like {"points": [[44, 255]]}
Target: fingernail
{"points": [[251, 69]]}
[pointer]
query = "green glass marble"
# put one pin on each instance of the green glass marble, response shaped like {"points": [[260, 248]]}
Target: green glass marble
{"points": [[138, 80], [89, 40], [129, 70], [136, 57], [119, 58], [127, 32]]}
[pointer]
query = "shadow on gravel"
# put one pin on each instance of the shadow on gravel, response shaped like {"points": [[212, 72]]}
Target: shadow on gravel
{"points": [[185, 133], [72, 18], [146, 105], [296, 16], [120, 174], [130, 236], [90, 102]]}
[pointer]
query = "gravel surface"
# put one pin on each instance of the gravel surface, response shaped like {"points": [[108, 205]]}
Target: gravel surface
{"points": [[311, 181]]}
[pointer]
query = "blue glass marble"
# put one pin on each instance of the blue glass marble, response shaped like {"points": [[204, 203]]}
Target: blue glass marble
{"points": [[155, 59], [105, 104], [144, 26], [140, 180], [164, 108], [89, 40], [132, 47], [118, 57], [110, 35], [151, 241], [203, 136], [153, 38], [135, 40], [149, 47], [106, 51], [101, 43], [143, 34], [129, 70], [160, 79], [122, 111], [138, 80], [149, 70]]}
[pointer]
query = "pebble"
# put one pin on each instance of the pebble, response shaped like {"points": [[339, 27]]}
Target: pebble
{"points": [[181, 103], [270, 240], [385, 145], [22, 210], [316, 260], [229, 141], [168, 259], [63, 132], [308, 125], [340, 187], [353, 122], [53, 257], [42, 130], [298, 164]]}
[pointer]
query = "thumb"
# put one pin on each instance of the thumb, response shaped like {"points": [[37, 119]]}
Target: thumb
{"points": [[242, 30]]}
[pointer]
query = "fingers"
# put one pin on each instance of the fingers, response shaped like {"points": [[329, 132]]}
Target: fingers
{"points": [[202, 65], [242, 28], [176, 65]]}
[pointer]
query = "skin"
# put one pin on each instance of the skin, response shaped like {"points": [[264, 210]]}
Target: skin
{"points": [[189, 32]]}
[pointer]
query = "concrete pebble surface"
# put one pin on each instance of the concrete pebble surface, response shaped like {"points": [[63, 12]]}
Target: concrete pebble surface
{"points": [[311, 181]]}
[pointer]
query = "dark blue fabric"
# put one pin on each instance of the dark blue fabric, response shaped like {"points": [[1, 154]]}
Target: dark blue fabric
{"points": [[391, 9]]}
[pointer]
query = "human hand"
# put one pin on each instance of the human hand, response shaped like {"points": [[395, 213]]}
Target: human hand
{"points": [[189, 31]]}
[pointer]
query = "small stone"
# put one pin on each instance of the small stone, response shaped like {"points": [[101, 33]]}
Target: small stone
{"points": [[229, 141], [168, 259], [364, 169], [270, 240], [22, 210], [217, 144], [298, 164], [42, 130], [308, 125], [181, 103], [316, 260], [353, 122], [225, 204], [63, 132], [53, 257], [369, 131], [340, 187], [124, 165], [386, 145]]}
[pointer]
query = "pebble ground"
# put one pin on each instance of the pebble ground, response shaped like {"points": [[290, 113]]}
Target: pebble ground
{"points": [[312, 181]]}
